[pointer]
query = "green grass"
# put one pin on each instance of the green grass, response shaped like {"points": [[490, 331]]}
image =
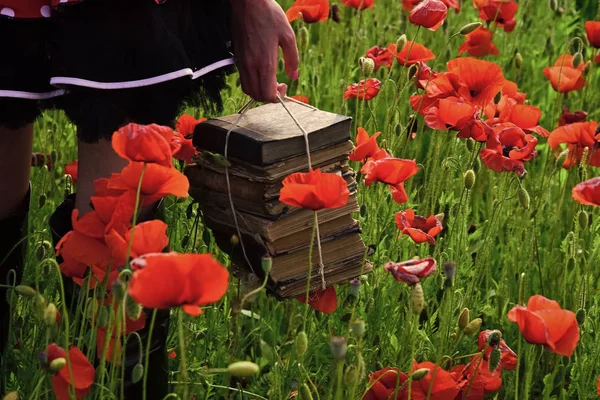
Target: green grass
{"points": [[542, 248]]}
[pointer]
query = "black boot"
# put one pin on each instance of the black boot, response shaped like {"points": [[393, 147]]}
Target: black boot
{"points": [[158, 378], [13, 247]]}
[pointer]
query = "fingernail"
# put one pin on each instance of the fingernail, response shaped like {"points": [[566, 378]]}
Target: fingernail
{"points": [[295, 75]]}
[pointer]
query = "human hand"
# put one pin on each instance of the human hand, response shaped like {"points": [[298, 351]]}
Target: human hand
{"points": [[259, 28]]}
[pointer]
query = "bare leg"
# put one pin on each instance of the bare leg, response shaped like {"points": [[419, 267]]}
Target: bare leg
{"points": [[15, 163]]}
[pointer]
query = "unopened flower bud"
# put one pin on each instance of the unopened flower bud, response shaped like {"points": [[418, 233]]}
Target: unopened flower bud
{"points": [[562, 157], [304, 392], [417, 299], [494, 360], [221, 160], [577, 59], [91, 308], [50, 315], [57, 364], [243, 369], [412, 71], [301, 343], [303, 38], [473, 327], [235, 240], [580, 316], [553, 4], [494, 338], [40, 306], [266, 263], [524, 198], [119, 289], [463, 319], [401, 42], [587, 67], [584, 219], [518, 60], [440, 217], [420, 374], [26, 291], [358, 328], [103, 317], [469, 179], [338, 348], [133, 308], [470, 144], [468, 28], [137, 373], [367, 65]]}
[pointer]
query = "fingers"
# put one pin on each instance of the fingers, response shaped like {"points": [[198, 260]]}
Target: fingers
{"points": [[287, 41], [282, 90], [267, 76]]}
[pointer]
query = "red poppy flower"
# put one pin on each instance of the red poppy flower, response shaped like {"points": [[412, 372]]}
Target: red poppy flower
{"points": [[420, 229], [79, 251], [409, 4], [186, 124], [383, 383], [475, 379], [166, 280], [479, 43], [588, 192], [527, 118], [450, 113], [82, 370], [365, 146], [440, 86], [429, 14], [144, 143], [483, 79], [97, 276], [172, 354], [360, 4], [148, 237], [564, 77], [577, 136], [158, 181], [185, 148], [412, 270], [302, 99], [392, 171], [72, 169], [363, 90], [592, 28], [324, 301], [424, 75], [452, 4], [437, 384], [312, 10], [508, 358], [415, 52], [507, 148], [568, 117], [501, 11], [544, 322], [314, 190], [381, 56], [598, 386], [476, 129]]}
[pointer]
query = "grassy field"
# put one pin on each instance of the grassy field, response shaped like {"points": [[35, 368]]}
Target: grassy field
{"points": [[510, 237]]}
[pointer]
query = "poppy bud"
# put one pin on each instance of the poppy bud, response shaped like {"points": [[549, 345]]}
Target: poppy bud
{"points": [[469, 179], [91, 308], [103, 317], [463, 319], [420, 374], [303, 38], [468, 28], [235, 240], [584, 219], [119, 289], [338, 348], [587, 68], [301, 343], [40, 306], [137, 373], [42, 200], [470, 144], [304, 392], [440, 217], [494, 360], [580, 316], [351, 374], [25, 291], [134, 310], [417, 299], [57, 364], [266, 263], [562, 157], [401, 42], [185, 240], [477, 164], [494, 338], [449, 271], [524, 198], [518, 60], [553, 4], [577, 59], [358, 328], [243, 369], [11, 396], [367, 65], [473, 327], [50, 315]]}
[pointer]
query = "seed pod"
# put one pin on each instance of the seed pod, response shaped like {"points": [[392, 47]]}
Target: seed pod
{"points": [[235, 240], [185, 240], [449, 271], [417, 299], [42, 200], [304, 392], [266, 263], [358, 328], [580, 316], [469, 179], [518, 60], [562, 157], [494, 338], [50, 315], [303, 38], [243, 369], [553, 4], [584, 219], [577, 59], [301, 343], [57, 364], [468, 28], [420, 374], [355, 285], [473, 327], [338, 348], [25, 291], [367, 65], [137, 373], [494, 360], [133, 309], [401, 42], [463, 319], [524, 198]]}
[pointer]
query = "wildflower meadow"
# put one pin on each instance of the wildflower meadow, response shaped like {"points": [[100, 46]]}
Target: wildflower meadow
{"points": [[477, 156]]}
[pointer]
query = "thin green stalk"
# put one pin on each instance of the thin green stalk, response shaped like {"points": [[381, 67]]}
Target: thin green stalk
{"points": [[147, 360]]}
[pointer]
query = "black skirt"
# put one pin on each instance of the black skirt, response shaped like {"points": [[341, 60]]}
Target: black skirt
{"points": [[109, 62]]}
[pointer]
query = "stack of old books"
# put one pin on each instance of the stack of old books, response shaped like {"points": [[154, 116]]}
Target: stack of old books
{"points": [[263, 149]]}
